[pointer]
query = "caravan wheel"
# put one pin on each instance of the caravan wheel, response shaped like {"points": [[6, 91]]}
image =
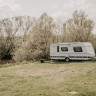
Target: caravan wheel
{"points": [[67, 59]]}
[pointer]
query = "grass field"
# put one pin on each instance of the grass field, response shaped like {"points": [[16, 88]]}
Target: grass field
{"points": [[48, 79]]}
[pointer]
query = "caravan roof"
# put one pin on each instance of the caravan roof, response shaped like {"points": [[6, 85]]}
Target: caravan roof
{"points": [[75, 43]]}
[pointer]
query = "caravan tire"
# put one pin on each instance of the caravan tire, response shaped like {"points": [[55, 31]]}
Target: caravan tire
{"points": [[67, 59]]}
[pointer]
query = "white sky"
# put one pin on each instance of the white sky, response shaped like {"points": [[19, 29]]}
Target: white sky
{"points": [[60, 9]]}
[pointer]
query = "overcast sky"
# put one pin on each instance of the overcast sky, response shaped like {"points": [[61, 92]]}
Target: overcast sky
{"points": [[60, 9]]}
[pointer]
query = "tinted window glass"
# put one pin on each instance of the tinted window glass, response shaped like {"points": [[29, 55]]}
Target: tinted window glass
{"points": [[64, 49], [77, 49], [57, 48]]}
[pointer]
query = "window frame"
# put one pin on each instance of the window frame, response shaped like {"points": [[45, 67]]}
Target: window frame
{"points": [[81, 50], [64, 50]]}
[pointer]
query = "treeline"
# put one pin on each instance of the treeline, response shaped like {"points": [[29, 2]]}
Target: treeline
{"points": [[26, 38]]}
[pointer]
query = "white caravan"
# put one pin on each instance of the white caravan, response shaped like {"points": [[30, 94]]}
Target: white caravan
{"points": [[72, 51]]}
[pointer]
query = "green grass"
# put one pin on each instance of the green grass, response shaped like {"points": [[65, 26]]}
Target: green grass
{"points": [[48, 79]]}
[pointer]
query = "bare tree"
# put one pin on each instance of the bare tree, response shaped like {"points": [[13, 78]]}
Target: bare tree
{"points": [[8, 32], [79, 27], [43, 34]]}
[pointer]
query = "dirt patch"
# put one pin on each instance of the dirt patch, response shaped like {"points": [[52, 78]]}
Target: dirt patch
{"points": [[73, 92], [46, 71], [35, 72]]}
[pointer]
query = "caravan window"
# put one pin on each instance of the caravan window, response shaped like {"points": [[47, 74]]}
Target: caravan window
{"points": [[77, 49], [64, 49]]}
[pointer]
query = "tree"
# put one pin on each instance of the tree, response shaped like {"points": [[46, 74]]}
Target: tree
{"points": [[13, 30], [6, 26], [43, 34], [79, 27]]}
